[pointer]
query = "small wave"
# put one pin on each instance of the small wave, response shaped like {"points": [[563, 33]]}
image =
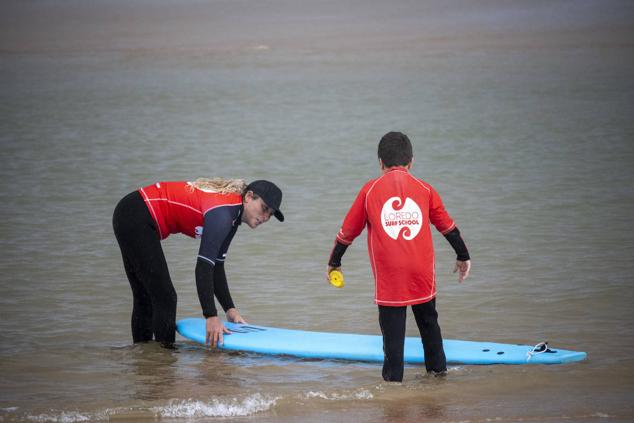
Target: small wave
{"points": [[362, 394], [217, 408], [65, 417], [233, 407]]}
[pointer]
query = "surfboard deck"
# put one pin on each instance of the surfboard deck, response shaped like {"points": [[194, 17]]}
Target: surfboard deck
{"points": [[355, 347]]}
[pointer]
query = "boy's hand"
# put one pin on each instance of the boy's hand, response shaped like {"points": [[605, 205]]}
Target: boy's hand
{"points": [[463, 267], [330, 269]]}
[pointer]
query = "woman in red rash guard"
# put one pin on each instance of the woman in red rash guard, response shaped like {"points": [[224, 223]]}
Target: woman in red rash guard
{"points": [[208, 209]]}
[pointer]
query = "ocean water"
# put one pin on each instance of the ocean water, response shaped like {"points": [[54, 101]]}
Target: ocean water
{"points": [[521, 116]]}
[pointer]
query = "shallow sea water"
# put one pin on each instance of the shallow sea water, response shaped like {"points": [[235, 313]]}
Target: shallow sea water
{"points": [[520, 115]]}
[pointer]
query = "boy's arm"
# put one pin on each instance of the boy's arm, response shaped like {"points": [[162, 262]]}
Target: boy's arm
{"points": [[335, 256], [458, 245], [438, 216], [351, 228], [463, 261], [445, 225]]}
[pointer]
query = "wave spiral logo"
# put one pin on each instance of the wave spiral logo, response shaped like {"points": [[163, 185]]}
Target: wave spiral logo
{"points": [[398, 217]]}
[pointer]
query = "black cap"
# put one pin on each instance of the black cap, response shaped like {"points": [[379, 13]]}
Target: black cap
{"points": [[270, 194]]}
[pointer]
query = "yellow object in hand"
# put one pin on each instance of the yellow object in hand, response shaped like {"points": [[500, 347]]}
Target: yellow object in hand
{"points": [[336, 279]]}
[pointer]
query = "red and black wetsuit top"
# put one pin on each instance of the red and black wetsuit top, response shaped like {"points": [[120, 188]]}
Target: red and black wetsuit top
{"points": [[178, 207]]}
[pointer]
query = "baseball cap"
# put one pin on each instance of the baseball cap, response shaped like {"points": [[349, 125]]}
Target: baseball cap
{"points": [[270, 194]]}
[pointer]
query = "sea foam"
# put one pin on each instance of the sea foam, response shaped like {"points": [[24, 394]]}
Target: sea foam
{"points": [[217, 408], [362, 394], [232, 407]]}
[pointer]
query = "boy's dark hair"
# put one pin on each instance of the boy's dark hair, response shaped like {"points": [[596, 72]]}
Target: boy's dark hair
{"points": [[395, 149]]}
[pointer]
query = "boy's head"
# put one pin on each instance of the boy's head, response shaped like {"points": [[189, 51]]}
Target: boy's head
{"points": [[395, 149]]}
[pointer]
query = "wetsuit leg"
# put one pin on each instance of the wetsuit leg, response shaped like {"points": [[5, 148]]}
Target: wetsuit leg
{"points": [[159, 284], [427, 321], [141, 307], [147, 271], [392, 322]]}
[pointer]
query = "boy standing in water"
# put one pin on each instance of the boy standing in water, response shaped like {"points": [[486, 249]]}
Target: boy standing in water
{"points": [[398, 209]]}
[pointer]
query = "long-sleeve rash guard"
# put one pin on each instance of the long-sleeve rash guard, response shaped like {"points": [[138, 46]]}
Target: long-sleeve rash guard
{"points": [[398, 210], [178, 207]]}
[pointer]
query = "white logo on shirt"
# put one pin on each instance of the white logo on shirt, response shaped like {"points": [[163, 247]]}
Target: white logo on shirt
{"points": [[198, 231], [397, 217]]}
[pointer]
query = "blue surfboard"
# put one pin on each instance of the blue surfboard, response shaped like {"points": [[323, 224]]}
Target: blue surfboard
{"points": [[345, 346]]}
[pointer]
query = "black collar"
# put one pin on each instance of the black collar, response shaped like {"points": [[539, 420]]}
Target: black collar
{"points": [[239, 218]]}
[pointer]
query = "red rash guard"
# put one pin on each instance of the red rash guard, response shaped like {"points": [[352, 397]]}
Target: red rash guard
{"points": [[398, 210], [178, 207]]}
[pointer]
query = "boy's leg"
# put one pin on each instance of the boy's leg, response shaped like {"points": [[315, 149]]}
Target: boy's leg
{"points": [[392, 322], [427, 321]]}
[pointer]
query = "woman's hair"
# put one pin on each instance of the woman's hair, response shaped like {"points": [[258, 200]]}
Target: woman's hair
{"points": [[219, 185]]}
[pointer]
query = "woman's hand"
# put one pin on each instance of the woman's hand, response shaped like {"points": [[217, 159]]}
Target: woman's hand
{"points": [[215, 331], [234, 317]]}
